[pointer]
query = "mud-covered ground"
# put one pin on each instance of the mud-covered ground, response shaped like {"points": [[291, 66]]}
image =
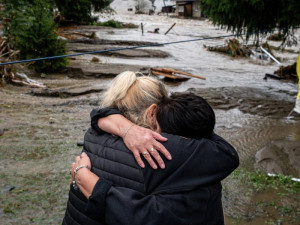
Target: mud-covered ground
{"points": [[40, 128], [39, 144]]}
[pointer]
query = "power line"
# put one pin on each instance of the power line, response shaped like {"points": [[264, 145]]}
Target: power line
{"points": [[113, 50]]}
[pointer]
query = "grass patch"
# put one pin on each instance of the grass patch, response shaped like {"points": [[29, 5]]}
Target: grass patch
{"points": [[261, 181], [275, 198], [116, 24], [36, 196]]}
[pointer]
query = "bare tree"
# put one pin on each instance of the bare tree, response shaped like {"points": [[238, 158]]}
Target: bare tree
{"points": [[141, 5], [153, 6]]}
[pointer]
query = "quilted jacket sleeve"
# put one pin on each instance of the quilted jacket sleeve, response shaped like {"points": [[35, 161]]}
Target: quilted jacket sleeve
{"points": [[100, 113]]}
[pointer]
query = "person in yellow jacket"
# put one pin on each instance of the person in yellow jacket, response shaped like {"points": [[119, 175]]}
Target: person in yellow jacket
{"points": [[297, 105]]}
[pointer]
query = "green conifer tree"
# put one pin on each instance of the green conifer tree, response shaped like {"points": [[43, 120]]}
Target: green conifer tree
{"points": [[30, 29], [255, 17], [80, 11]]}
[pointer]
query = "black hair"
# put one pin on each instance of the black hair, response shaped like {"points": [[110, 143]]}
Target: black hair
{"points": [[187, 115]]}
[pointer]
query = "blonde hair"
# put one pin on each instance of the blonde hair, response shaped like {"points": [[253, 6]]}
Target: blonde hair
{"points": [[132, 94]]}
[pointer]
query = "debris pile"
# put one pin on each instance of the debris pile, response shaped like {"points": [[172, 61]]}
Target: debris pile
{"points": [[6, 54], [288, 72], [8, 73], [231, 47], [276, 37], [69, 33], [235, 49]]}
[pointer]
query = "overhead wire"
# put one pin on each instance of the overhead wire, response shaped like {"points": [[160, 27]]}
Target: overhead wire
{"points": [[113, 50]]}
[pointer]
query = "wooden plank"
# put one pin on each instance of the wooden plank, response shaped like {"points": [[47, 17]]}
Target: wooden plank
{"points": [[170, 28], [160, 70], [177, 78], [181, 72]]}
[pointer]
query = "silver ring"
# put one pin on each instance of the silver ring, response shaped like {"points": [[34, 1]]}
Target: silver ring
{"points": [[152, 149], [145, 153]]}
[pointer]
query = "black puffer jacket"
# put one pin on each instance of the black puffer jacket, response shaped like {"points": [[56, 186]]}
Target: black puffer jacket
{"points": [[187, 191], [110, 160]]}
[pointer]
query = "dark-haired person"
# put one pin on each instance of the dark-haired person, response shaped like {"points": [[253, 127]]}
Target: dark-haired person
{"points": [[187, 115], [187, 191]]}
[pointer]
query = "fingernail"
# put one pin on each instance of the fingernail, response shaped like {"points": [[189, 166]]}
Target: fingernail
{"points": [[155, 167], [142, 165], [169, 157], [162, 166]]}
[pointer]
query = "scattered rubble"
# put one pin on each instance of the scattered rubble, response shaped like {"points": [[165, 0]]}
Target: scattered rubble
{"points": [[231, 47], [288, 72], [284, 73]]}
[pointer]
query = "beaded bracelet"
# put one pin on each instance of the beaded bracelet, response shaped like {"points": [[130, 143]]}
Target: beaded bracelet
{"points": [[75, 172], [79, 167]]}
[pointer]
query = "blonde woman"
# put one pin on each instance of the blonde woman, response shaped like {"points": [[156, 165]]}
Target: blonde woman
{"points": [[187, 191]]}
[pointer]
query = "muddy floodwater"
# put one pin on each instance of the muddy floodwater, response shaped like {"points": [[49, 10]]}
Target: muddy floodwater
{"points": [[40, 128]]}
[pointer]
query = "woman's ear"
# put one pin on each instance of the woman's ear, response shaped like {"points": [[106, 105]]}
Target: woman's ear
{"points": [[151, 112], [151, 115]]}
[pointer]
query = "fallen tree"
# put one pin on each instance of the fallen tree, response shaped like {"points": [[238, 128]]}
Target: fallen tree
{"points": [[8, 73]]}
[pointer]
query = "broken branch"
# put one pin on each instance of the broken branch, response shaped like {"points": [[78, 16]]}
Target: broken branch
{"points": [[170, 28]]}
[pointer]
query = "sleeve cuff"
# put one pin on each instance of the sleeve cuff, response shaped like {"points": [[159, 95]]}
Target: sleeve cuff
{"points": [[96, 204], [100, 113]]}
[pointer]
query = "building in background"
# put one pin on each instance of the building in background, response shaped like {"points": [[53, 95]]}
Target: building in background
{"points": [[188, 8], [130, 5]]}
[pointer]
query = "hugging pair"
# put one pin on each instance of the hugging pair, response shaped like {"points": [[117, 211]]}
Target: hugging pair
{"points": [[114, 189]]}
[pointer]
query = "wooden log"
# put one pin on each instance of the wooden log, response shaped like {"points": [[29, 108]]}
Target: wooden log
{"points": [[142, 26], [181, 72], [68, 36], [170, 28], [177, 78], [22, 79], [158, 70]]}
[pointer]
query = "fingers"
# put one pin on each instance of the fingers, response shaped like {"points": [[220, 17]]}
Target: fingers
{"points": [[157, 158], [77, 159], [138, 159], [83, 154], [158, 137], [159, 147], [149, 159]]}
